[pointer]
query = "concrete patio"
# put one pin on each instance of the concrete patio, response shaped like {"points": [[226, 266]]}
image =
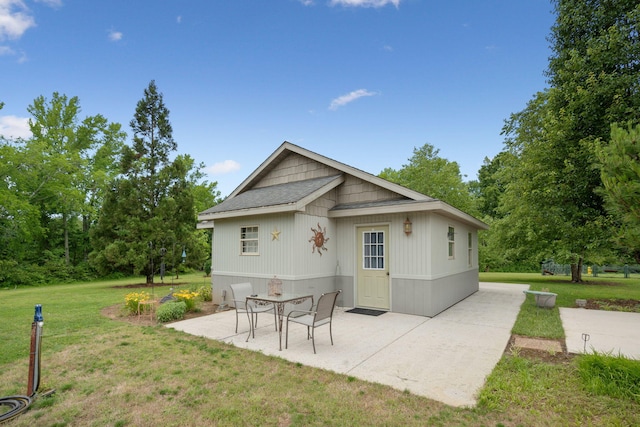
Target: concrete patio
{"points": [[445, 358]]}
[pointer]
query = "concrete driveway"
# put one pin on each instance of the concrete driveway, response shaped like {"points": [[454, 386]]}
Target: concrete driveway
{"points": [[445, 358]]}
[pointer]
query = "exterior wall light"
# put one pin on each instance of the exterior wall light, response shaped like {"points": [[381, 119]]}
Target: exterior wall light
{"points": [[407, 226]]}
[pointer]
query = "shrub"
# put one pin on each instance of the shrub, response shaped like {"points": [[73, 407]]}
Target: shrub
{"points": [[614, 376], [206, 293], [131, 300], [190, 298], [172, 310]]}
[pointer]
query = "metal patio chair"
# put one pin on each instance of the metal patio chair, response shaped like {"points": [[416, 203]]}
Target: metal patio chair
{"points": [[239, 294], [321, 315]]}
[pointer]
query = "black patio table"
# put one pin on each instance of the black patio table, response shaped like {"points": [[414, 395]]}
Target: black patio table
{"points": [[278, 301]]}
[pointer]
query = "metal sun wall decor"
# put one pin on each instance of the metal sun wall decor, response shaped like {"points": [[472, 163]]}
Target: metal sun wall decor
{"points": [[319, 238]]}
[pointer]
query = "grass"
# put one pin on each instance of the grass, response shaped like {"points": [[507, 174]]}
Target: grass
{"points": [[117, 374], [545, 323]]}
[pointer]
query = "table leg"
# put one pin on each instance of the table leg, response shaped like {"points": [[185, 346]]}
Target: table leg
{"points": [[250, 316], [280, 310]]}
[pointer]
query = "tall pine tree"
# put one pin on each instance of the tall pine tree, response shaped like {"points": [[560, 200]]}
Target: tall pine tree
{"points": [[150, 207]]}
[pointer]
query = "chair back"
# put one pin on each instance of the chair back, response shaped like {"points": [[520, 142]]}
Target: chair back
{"points": [[240, 292], [326, 304]]}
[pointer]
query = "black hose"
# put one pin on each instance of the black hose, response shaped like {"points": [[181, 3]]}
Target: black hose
{"points": [[16, 404]]}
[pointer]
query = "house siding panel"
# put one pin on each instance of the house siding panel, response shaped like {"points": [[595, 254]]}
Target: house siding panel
{"points": [[273, 255], [295, 168], [355, 190], [430, 297]]}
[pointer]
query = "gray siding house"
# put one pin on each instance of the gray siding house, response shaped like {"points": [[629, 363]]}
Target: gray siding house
{"points": [[319, 225]]}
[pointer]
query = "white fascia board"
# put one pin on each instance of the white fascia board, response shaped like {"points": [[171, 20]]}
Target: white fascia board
{"points": [[259, 169], [436, 206], [204, 225], [267, 210]]}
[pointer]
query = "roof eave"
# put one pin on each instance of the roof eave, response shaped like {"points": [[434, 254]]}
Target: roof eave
{"points": [[266, 210], [436, 206]]}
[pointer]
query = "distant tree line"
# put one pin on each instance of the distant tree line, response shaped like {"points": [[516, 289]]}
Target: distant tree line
{"points": [[77, 203]]}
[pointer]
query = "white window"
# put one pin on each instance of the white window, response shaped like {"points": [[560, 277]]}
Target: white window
{"points": [[249, 240], [470, 249], [373, 250], [451, 235]]}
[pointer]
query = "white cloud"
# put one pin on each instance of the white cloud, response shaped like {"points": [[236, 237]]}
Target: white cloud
{"points": [[6, 50], [364, 3], [350, 97], [114, 35], [50, 3], [306, 2], [15, 19], [222, 168], [179, 19], [14, 127]]}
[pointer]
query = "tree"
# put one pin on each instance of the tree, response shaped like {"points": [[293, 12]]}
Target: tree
{"points": [[49, 180], [434, 176], [151, 205], [75, 160], [490, 186], [620, 173], [551, 203]]}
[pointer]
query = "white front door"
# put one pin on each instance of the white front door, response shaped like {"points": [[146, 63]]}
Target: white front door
{"points": [[373, 269]]}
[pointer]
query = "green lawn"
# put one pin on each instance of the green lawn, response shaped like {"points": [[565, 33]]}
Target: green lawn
{"points": [[111, 373]]}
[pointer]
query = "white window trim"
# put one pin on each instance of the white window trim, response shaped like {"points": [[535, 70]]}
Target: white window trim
{"points": [[383, 256], [256, 239], [451, 242], [470, 249]]}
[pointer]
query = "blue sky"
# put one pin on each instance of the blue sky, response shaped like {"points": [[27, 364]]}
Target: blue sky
{"points": [[361, 81]]}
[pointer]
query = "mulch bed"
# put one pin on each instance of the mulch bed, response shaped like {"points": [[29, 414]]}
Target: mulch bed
{"points": [[630, 305]]}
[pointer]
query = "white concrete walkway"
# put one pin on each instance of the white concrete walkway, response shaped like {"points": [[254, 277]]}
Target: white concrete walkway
{"points": [[445, 358]]}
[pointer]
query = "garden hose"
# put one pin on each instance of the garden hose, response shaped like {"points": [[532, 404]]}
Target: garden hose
{"points": [[18, 404]]}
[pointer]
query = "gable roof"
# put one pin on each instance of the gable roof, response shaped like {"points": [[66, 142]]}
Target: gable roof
{"points": [[283, 151], [294, 196]]}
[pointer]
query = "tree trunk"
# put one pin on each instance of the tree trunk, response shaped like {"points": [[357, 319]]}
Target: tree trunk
{"points": [[576, 271], [66, 239]]}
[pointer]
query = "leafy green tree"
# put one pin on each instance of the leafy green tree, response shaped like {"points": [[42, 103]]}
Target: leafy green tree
{"points": [[152, 204], [551, 205], [76, 160], [490, 186], [434, 176], [46, 187], [620, 173]]}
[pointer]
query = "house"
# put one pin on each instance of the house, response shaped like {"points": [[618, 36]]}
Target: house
{"points": [[319, 225]]}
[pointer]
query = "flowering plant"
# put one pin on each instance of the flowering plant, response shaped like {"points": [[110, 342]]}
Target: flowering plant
{"points": [[190, 298], [131, 300]]}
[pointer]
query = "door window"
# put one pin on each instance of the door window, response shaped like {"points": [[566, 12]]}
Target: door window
{"points": [[373, 250]]}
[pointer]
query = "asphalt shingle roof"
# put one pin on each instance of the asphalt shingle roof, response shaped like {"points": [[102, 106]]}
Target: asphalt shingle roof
{"points": [[274, 195]]}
